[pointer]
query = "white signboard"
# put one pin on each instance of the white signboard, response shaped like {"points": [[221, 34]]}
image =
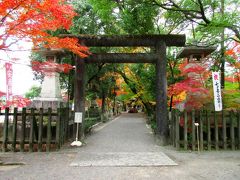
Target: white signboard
{"points": [[217, 91], [78, 117]]}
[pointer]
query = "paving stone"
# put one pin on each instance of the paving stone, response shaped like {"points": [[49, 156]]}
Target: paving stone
{"points": [[123, 142], [124, 159]]}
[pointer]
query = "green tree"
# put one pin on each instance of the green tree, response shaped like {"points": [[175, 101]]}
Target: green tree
{"points": [[209, 20], [33, 92]]}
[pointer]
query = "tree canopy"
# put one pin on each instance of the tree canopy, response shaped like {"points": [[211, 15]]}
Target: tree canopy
{"points": [[36, 21], [206, 23]]}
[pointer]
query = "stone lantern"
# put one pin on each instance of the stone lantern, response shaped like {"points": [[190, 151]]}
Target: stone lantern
{"points": [[195, 57], [50, 95], [195, 53]]}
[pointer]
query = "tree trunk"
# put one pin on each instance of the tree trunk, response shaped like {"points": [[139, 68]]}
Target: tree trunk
{"points": [[103, 102], [222, 51]]}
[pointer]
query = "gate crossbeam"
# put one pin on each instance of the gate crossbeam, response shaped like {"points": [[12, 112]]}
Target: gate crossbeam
{"points": [[122, 58], [149, 40]]}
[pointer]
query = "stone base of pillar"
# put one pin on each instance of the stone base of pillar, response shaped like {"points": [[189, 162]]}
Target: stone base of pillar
{"points": [[46, 103]]}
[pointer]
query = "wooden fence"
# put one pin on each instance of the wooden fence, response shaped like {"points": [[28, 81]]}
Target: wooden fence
{"points": [[34, 130], [205, 129]]}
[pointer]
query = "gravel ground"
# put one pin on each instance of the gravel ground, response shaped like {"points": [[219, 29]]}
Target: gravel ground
{"points": [[126, 136]]}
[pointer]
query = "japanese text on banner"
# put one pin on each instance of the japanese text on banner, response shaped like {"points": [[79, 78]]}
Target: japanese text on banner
{"points": [[217, 91]]}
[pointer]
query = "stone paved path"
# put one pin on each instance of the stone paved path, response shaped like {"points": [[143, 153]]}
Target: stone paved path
{"points": [[126, 141]]}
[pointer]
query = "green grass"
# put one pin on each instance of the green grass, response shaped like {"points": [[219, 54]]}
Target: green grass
{"points": [[231, 86]]}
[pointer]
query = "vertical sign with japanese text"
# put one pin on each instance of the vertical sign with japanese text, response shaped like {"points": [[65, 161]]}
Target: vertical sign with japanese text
{"points": [[9, 73], [217, 91]]}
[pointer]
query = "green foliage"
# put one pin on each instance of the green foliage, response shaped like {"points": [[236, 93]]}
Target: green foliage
{"points": [[231, 86], [89, 122], [87, 22], [140, 80], [33, 92], [231, 96], [104, 9], [138, 17]]}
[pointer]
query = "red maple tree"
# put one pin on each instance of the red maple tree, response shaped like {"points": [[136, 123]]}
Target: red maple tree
{"points": [[193, 86], [16, 101], [34, 20], [233, 56]]}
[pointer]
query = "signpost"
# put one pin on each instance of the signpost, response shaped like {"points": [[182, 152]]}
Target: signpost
{"points": [[77, 119]]}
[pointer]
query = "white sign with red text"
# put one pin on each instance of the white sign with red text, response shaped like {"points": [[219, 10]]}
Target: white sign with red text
{"points": [[217, 91]]}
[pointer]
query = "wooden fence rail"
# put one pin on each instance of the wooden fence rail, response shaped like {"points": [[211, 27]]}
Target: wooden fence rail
{"points": [[205, 129], [34, 130]]}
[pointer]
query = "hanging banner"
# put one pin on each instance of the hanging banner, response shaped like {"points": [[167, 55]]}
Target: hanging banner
{"points": [[9, 73], [217, 91]]}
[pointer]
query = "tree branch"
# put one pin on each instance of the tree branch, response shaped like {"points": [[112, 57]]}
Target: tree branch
{"points": [[100, 66], [203, 12]]}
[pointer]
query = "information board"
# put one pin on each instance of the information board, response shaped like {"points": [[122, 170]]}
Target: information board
{"points": [[78, 117]]}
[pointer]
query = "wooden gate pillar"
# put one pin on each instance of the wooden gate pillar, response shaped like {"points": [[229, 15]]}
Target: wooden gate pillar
{"points": [[161, 94], [79, 92]]}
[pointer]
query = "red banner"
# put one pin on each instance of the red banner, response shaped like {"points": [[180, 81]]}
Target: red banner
{"points": [[9, 73]]}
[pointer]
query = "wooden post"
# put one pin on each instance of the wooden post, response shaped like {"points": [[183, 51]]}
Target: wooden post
{"points": [[173, 129], [49, 132], [193, 131], [58, 128], [61, 113], [209, 143], [201, 130], [14, 132], [22, 138], [185, 130], [40, 130], [5, 130], [62, 124], [238, 129], [23, 127], [31, 136], [161, 94], [69, 131], [72, 126], [216, 131], [177, 130], [79, 94], [232, 130], [66, 123], [224, 129]]}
